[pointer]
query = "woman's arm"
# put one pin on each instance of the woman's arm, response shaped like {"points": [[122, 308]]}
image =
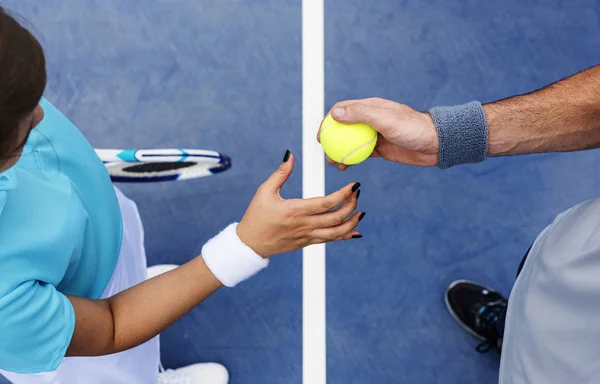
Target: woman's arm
{"points": [[270, 226], [136, 315]]}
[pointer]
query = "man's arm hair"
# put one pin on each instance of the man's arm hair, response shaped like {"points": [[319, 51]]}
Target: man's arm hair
{"points": [[564, 116]]}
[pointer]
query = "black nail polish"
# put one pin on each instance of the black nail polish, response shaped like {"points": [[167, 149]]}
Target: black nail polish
{"points": [[355, 187], [362, 216], [357, 236], [357, 194], [286, 157]]}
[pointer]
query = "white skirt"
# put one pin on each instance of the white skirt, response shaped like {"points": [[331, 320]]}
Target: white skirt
{"points": [[135, 366]]}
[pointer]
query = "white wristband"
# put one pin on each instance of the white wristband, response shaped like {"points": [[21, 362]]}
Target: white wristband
{"points": [[229, 259]]}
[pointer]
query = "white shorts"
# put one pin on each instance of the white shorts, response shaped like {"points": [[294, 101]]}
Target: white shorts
{"points": [[135, 366]]}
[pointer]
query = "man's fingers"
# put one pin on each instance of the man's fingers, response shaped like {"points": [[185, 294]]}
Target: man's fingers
{"points": [[378, 113], [330, 161], [355, 113], [371, 102], [342, 167]]}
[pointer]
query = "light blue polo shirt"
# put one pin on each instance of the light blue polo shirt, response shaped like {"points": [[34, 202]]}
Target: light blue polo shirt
{"points": [[60, 233]]}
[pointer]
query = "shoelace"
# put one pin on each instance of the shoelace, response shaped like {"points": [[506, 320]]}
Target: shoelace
{"points": [[486, 324], [169, 376]]}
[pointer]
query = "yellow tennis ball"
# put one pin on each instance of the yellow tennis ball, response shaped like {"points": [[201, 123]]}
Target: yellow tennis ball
{"points": [[347, 143]]}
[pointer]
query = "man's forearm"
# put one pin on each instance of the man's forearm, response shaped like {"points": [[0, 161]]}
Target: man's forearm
{"points": [[564, 116]]}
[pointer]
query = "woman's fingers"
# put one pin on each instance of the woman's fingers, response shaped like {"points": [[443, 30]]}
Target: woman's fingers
{"points": [[341, 231], [349, 236], [335, 217], [275, 182], [318, 205]]}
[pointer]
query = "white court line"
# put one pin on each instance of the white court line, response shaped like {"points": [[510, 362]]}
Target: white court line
{"points": [[313, 184]]}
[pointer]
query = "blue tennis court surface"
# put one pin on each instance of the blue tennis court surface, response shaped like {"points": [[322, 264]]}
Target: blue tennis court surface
{"points": [[227, 76]]}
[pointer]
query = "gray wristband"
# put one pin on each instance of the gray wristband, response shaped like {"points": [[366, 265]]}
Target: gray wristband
{"points": [[462, 132]]}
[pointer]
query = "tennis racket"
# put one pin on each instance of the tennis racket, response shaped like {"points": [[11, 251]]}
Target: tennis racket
{"points": [[152, 165]]}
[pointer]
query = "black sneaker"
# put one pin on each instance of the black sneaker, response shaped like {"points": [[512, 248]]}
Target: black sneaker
{"points": [[477, 309]]}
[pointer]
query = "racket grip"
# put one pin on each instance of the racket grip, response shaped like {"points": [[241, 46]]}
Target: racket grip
{"points": [[229, 259]]}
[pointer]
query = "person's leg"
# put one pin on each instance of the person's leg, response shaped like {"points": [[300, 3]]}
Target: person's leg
{"points": [[523, 262], [501, 321], [480, 310]]}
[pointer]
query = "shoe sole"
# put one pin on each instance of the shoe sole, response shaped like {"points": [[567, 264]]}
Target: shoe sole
{"points": [[451, 312]]}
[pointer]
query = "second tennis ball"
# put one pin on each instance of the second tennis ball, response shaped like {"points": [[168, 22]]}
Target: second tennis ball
{"points": [[347, 143]]}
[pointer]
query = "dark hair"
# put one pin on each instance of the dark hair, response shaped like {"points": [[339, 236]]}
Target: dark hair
{"points": [[22, 79]]}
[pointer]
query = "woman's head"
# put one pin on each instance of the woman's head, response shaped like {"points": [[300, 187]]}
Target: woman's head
{"points": [[22, 84]]}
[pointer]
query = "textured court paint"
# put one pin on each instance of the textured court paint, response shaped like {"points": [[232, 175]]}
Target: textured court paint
{"points": [[425, 227], [220, 75]]}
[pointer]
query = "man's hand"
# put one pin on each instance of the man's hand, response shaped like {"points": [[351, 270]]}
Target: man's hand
{"points": [[562, 117], [405, 135]]}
